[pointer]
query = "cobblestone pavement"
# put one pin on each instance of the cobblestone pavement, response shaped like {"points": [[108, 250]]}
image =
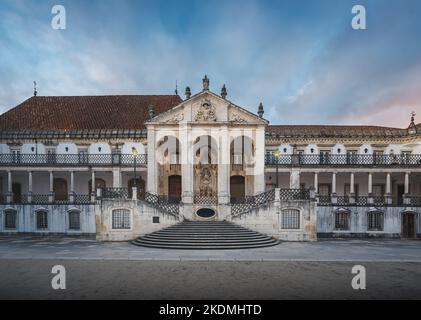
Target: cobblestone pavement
{"points": [[253, 280], [100, 270], [328, 250]]}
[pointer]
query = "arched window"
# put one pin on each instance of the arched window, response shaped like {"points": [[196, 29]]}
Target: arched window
{"points": [[342, 220], [74, 220], [10, 219], [42, 219], [375, 221], [121, 219], [290, 219]]}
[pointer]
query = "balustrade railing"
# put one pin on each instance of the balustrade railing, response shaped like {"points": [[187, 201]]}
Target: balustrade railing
{"points": [[302, 160], [163, 203], [294, 194], [115, 193], [243, 205], [72, 160], [44, 199], [209, 200]]}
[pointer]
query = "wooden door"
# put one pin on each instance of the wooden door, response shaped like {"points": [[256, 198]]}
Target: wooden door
{"points": [[174, 188], [238, 188], [17, 192], [408, 225], [60, 189], [401, 192]]}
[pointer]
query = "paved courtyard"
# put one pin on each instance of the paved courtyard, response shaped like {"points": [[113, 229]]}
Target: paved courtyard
{"points": [[327, 250], [320, 270]]}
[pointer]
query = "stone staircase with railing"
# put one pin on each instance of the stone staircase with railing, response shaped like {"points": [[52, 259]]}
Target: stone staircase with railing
{"points": [[205, 235]]}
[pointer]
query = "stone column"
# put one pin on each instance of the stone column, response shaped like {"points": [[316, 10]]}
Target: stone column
{"points": [[352, 188], [72, 187], [117, 178], [316, 183], [406, 183], [334, 196], [9, 197], [224, 166], [407, 196], [152, 183], [388, 195], [187, 180], [51, 196], [259, 166], [370, 188], [93, 186], [294, 179], [30, 187]]}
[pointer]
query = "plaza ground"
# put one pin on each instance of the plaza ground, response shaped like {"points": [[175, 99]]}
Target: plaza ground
{"points": [[319, 270]]}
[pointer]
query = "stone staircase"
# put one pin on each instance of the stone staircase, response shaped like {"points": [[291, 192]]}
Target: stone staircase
{"points": [[217, 235]]}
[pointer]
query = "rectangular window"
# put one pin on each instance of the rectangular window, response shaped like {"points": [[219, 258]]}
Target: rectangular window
{"points": [[83, 156], [121, 219], [375, 221], [291, 219], [342, 221], [42, 220], [10, 219], [74, 220]]}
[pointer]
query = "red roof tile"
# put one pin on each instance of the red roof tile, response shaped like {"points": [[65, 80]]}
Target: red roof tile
{"points": [[85, 112]]}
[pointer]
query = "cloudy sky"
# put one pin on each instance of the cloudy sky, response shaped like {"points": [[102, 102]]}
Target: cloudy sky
{"points": [[300, 58]]}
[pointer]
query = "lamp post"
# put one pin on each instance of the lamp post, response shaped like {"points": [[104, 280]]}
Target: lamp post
{"points": [[277, 154]]}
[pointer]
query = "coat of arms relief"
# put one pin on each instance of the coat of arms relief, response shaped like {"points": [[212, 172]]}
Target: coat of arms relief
{"points": [[206, 112]]}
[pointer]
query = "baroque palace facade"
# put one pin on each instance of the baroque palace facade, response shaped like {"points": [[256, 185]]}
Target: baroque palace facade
{"points": [[120, 167]]}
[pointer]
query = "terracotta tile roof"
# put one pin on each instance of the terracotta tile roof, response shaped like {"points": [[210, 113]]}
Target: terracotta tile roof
{"points": [[85, 112], [333, 131]]}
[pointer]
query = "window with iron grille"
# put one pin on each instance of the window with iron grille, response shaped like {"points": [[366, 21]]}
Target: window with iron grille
{"points": [[342, 220], [42, 220], [375, 221], [10, 219], [291, 219], [121, 219], [74, 220]]}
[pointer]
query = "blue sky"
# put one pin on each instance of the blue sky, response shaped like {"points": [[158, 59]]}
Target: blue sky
{"points": [[300, 58]]}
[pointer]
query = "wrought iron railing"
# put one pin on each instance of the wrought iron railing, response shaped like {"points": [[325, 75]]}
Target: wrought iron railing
{"points": [[415, 201], [363, 201], [72, 160], [162, 204], [240, 206], [115, 193], [294, 194], [311, 160], [41, 198], [45, 199], [209, 200]]}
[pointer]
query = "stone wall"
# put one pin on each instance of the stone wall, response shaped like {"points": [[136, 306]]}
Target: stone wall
{"points": [[58, 219], [358, 224], [268, 220], [141, 220]]}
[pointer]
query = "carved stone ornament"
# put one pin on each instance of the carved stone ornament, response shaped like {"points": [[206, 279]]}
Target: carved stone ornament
{"points": [[237, 118], [206, 112], [177, 118]]}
